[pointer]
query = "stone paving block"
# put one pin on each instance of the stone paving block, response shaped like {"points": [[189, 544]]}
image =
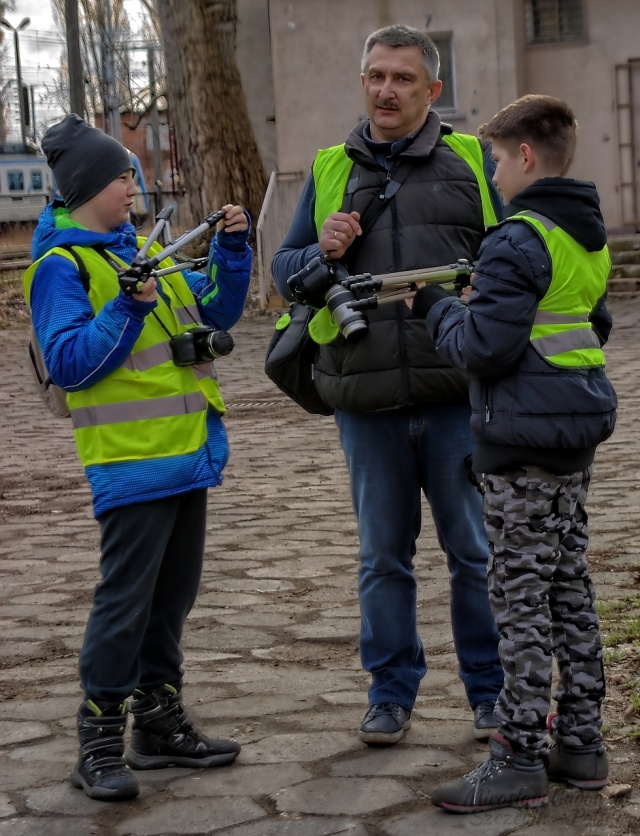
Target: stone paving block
{"points": [[432, 820], [284, 825], [190, 816], [14, 732], [340, 719], [6, 807], [44, 709], [284, 748], [346, 796], [62, 750], [437, 712], [253, 781], [46, 827], [254, 705], [335, 629], [394, 761]]}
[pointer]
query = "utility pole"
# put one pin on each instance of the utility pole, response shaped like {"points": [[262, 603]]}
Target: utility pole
{"points": [[21, 97], [155, 128], [32, 91], [113, 107], [76, 75]]}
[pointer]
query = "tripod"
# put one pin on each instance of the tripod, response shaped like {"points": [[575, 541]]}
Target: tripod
{"points": [[142, 267]]}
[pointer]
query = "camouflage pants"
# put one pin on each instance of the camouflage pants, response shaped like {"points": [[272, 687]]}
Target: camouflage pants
{"points": [[543, 602]]}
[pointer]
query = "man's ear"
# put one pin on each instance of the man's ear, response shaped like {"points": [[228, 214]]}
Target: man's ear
{"points": [[435, 90], [527, 156]]}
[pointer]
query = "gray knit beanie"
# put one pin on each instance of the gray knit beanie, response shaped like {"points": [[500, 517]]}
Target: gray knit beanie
{"points": [[83, 159]]}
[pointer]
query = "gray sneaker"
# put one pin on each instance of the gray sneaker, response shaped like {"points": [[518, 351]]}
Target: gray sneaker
{"points": [[506, 779], [582, 768], [384, 724]]}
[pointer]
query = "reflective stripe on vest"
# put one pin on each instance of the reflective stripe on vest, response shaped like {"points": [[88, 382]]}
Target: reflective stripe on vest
{"points": [[332, 167], [562, 332], [109, 418]]}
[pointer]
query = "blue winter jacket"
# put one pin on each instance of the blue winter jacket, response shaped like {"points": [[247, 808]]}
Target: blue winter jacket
{"points": [[524, 410], [80, 347]]}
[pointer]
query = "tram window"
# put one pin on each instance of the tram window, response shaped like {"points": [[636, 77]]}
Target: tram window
{"points": [[36, 180], [16, 181]]}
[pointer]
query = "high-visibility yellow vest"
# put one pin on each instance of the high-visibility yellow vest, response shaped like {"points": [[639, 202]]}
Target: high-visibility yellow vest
{"points": [[121, 417], [562, 332], [332, 166], [331, 170]]}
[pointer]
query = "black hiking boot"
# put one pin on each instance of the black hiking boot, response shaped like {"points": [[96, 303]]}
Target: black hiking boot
{"points": [[163, 735], [587, 768], [101, 771], [506, 779]]}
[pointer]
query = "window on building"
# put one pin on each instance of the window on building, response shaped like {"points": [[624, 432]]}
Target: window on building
{"points": [[36, 180], [555, 21], [16, 181], [444, 43]]}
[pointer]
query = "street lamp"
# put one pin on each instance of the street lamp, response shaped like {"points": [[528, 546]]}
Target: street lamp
{"points": [[16, 45]]}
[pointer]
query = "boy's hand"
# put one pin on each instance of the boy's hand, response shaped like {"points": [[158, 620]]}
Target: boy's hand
{"points": [[148, 292], [234, 220], [465, 293]]}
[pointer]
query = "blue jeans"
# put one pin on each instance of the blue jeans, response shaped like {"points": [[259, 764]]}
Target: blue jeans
{"points": [[391, 457]]}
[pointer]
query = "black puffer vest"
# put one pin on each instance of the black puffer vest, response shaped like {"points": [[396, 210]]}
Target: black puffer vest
{"points": [[434, 219]]}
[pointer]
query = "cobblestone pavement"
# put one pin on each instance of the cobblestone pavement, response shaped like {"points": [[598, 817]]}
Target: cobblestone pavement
{"points": [[271, 646]]}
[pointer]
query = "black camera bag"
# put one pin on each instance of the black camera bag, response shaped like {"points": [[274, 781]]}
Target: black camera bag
{"points": [[291, 354], [291, 357]]}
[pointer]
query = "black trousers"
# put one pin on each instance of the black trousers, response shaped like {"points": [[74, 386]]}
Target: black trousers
{"points": [[151, 565]]}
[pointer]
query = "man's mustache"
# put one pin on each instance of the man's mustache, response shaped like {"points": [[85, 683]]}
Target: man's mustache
{"points": [[387, 105]]}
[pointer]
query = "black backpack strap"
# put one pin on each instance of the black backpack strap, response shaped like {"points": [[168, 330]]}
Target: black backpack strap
{"points": [[82, 269]]}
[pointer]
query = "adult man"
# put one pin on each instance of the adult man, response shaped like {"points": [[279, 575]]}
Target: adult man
{"points": [[402, 414]]}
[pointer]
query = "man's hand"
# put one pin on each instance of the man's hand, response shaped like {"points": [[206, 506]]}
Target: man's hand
{"points": [[339, 232]]}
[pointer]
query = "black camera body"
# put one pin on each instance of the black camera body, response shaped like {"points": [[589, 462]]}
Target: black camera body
{"points": [[200, 344], [319, 283]]}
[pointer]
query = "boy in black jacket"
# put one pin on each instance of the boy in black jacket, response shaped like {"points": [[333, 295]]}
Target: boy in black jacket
{"points": [[531, 338]]}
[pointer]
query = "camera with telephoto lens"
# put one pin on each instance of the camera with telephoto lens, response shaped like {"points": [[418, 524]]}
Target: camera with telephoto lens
{"points": [[200, 344], [319, 283]]}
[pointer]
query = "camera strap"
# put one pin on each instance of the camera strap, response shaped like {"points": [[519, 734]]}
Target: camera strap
{"points": [[377, 205], [118, 267]]}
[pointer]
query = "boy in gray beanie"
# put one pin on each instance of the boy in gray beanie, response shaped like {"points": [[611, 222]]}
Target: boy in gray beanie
{"points": [[83, 159], [150, 435]]}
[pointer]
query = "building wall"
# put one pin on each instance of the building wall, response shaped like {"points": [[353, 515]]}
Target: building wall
{"points": [[253, 56], [584, 75], [316, 50]]}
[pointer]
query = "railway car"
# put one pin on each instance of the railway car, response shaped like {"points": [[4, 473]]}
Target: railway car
{"points": [[27, 185]]}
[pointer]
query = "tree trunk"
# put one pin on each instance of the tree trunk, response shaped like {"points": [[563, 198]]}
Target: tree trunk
{"points": [[218, 154]]}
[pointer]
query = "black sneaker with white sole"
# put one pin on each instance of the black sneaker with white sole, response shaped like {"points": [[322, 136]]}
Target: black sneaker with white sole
{"points": [[384, 724], [484, 721]]}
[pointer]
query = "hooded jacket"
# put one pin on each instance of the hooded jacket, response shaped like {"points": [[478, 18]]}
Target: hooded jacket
{"points": [[526, 410], [82, 346]]}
